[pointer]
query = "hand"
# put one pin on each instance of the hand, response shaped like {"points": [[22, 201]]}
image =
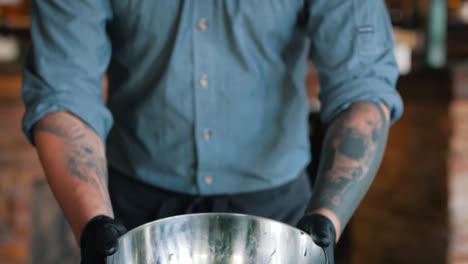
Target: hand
{"points": [[322, 231], [99, 239]]}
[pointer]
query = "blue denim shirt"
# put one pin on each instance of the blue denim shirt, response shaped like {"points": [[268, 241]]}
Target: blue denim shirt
{"points": [[206, 96]]}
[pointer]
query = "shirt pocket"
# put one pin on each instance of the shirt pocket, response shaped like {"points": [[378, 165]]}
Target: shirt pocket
{"points": [[148, 17], [265, 19]]}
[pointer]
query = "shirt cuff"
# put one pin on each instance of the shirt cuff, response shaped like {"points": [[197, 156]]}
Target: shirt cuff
{"points": [[376, 91], [90, 110]]}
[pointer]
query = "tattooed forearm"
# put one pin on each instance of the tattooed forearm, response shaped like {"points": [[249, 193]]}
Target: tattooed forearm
{"points": [[84, 153], [62, 127], [352, 152], [83, 167]]}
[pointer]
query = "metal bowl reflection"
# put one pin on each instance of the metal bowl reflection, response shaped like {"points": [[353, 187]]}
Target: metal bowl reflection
{"points": [[216, 238]]}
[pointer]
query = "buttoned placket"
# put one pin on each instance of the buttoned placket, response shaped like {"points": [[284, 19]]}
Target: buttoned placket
{"points": [[203, 101]]}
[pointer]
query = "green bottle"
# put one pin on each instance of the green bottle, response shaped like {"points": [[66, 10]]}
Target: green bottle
{"points": [[436, 34]]}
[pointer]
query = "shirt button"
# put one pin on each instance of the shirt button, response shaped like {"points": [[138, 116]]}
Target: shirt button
{"points": [[206, 134], [208, 179], [202, 24], [204, 81]]}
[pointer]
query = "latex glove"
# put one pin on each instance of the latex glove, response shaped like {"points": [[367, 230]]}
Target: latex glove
{"points": [[322, 231], [99, 239]]}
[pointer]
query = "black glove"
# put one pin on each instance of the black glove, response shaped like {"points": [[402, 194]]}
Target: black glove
{"points": [[322, 231], [99, 239]]}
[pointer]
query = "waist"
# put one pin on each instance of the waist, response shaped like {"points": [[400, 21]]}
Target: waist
{"points": [[264, 173]]}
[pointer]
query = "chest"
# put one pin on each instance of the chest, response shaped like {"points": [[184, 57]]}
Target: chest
{"points": [[160, 18]]}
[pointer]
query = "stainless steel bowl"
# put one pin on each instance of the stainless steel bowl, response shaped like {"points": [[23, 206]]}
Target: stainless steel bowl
{"points": [[215, 238]]}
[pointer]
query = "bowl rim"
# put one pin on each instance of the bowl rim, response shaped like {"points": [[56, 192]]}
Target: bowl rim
{"points": [[211, 214]]}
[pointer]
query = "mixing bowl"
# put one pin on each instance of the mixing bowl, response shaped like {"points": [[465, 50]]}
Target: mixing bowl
{"points": [[217, 238]]}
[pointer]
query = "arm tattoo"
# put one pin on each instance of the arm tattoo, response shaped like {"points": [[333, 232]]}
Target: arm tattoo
{"points": [[352, 152], [84, 152]]}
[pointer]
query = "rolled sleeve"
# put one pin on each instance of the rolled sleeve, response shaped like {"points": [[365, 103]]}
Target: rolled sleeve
{"points": [[352, 49], [68, 57]]}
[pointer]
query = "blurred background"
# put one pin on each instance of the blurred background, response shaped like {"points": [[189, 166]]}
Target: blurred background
{"points": [[416, 210]]}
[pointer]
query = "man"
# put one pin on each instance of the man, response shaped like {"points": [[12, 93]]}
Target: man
{"points": [[208, 110]]}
